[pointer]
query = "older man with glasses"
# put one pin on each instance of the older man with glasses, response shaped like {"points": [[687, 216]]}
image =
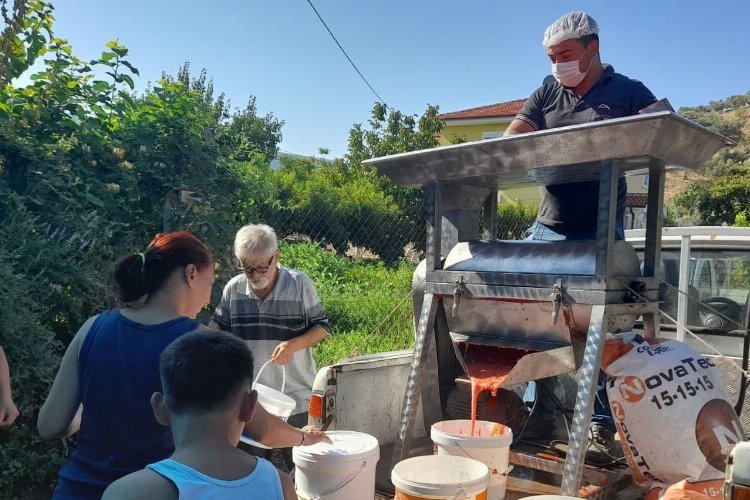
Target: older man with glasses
{"points": [[278, 313]]}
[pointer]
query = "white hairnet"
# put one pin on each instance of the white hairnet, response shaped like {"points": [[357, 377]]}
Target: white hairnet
{"points": [[571, 25]]}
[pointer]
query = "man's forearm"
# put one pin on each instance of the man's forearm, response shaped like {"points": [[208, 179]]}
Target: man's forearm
{"points": [[518, 126], [271, 430], [4, 376], [310, 338]]}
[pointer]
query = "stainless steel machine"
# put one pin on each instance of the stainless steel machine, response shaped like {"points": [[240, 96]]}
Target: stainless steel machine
{"points": [[550, 301]]}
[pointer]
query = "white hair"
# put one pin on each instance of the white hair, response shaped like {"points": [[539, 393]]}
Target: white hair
{"points": [[255, 239]]}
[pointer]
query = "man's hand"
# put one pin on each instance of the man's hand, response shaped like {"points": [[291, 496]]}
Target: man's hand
{"points": [[283, 353], [313, 435], [8, 412]]}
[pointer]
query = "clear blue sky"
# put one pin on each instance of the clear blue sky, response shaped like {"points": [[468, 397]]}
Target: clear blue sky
{"points": [[455, 54]]}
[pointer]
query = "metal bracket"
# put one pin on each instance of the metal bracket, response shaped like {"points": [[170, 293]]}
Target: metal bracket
{"points": [[556, 297], [457, 292]]}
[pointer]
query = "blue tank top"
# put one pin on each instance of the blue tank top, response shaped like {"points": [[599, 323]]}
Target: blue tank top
{"points": [[263, 482], [118, 371]]}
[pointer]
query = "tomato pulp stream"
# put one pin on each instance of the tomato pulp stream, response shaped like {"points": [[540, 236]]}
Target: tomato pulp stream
{"points": [[487, 368]]}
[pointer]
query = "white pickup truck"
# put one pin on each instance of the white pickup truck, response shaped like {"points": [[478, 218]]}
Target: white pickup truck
{"points": [[709, 265], [706, 271]]}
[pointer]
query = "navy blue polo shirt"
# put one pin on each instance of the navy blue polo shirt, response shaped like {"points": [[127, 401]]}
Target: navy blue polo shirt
{"points": [[575, 205]]}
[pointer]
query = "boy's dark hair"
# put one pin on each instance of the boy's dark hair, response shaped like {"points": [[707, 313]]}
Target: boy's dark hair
{"points": [[203, 371]]}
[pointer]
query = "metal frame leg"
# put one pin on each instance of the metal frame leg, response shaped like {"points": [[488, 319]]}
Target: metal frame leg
{"points": [[574, 462], [652, 250], [423, 346]]}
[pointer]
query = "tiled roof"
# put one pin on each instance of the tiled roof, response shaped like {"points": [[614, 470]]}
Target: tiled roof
{"points": [[501, 109], [636, 200]]}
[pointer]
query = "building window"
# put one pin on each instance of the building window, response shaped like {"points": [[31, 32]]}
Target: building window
{"points": [[493, 134]]}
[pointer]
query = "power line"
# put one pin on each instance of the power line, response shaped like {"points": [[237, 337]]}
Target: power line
{"points": [[347, 55]]}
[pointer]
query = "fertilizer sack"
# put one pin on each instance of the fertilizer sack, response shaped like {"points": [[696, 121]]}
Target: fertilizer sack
{"points": [[672, 414]]}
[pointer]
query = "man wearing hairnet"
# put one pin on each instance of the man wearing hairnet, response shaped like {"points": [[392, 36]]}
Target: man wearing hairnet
{"points": [[580, 90]]}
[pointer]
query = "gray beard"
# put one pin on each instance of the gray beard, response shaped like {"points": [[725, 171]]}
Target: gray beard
{"points": [[260, 285]]}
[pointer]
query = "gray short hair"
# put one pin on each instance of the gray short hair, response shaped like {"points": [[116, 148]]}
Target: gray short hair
{"points": [[254, 239]]}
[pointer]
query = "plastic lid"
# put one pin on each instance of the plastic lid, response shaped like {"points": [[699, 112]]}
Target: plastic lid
{"points": [[248, 440], [347, 446]]}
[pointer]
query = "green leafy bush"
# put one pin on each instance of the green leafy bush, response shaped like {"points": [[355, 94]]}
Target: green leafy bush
{"points": [[327, 201], [49, 280], [723, 199], [513, 218], [90, 171], [368, 303]]}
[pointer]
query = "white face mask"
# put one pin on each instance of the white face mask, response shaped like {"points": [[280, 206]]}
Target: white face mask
{"points": [[568, 73]]}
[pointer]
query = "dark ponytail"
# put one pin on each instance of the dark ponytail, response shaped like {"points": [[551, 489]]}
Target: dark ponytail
{"points": [[144, 273]]}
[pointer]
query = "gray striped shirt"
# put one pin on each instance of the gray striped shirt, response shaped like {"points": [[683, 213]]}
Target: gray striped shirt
{"points": [[290, 310]]}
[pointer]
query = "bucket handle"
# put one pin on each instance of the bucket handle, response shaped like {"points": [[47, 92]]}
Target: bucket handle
{"points": [[461, 494], [283, 375], [320, 497], [462, 449], [507, 471]]}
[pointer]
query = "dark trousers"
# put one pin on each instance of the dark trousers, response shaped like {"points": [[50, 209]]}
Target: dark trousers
{"points": [[546, 407], [298, 421]]}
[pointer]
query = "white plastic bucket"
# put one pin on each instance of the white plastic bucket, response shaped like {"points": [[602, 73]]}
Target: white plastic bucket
{"points": [[273, 401], [342, 470], [440, 477], [490, 445]]}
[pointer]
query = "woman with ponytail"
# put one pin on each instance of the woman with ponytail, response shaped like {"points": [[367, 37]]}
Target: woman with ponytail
{"points": [[111, 368]]}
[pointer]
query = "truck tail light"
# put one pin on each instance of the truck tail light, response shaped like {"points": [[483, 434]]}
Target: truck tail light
{"points": [[315, 409]]}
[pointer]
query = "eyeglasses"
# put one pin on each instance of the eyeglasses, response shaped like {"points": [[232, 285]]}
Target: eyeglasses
{"points": [[249, 270]]}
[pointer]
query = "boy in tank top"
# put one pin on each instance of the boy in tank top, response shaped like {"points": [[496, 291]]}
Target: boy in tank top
{"points": [[207, 400]]}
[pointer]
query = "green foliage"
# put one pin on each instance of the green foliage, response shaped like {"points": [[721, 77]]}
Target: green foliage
{"points": [[728, 127], [28, 28], [393, 132], [741, 220], [725, 198], [329, 202], [390, 133], [49, 281], [368, 304], [731, 118], [342, 203], [723, 105], [90, 171], [721, 200], [248, 134], [514, 218]]}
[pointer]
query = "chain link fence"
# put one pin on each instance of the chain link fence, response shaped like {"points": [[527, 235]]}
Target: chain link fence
{"points": [[362, 261], [387, 236]]}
